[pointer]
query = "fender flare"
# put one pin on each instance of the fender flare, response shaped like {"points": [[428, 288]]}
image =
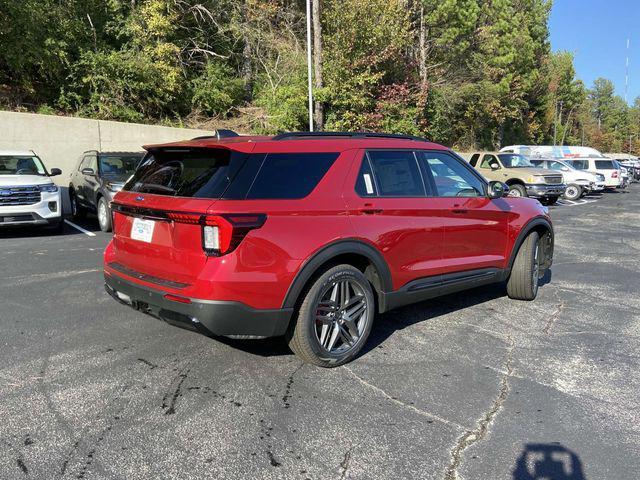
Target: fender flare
{"points": [[341, 247], [526, 230]]}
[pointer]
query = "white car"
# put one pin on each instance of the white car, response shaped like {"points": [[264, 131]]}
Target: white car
{"points": [[579, 182], [28, 196], [604, 166]]}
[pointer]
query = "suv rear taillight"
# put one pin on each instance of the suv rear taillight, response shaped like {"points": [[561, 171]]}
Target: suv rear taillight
{"points": [[614, 174], [221, 234]]}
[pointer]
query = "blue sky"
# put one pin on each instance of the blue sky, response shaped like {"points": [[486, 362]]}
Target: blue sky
{"points": [[596, 32]]}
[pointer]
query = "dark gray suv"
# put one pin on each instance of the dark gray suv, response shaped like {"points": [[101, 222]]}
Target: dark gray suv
{"points": [[96, 179]]}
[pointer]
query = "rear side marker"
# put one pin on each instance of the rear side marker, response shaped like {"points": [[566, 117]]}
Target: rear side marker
{"points": [[177, 298]]}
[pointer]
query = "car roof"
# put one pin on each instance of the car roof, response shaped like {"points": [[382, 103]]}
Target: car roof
{"points": [[17, 153], [301, 143]]}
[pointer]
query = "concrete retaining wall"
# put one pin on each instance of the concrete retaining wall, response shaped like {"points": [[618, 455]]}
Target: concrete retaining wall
{"points": [[59, 141]]}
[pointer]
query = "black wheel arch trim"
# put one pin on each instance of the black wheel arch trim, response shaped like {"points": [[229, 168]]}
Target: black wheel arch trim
{"points": [[333, 250], [526, 230]]}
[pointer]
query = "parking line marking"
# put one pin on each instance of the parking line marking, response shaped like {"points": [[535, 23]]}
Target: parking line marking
{"points": [[86, 232]]}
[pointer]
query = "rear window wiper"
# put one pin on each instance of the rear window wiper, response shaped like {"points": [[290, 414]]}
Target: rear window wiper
{"points": [[152, 187]]}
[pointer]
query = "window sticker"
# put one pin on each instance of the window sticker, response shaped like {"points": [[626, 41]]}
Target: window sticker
{"points": [[368, 184]]}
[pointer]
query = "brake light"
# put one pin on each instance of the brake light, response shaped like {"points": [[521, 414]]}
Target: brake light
{"points": [[614, 174], [190, 218], [221, 234]]}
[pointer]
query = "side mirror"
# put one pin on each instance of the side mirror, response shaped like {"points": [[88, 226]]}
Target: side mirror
{"points": [[494, 166], [88, 171], [55, 172], [565, 169], [497, 190]]}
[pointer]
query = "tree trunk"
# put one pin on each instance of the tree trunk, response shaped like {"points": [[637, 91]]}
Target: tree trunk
{"points": [[423, 49], [317, 61], [247, 70]]}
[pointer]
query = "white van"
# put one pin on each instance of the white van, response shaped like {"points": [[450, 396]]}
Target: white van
{"points": [[28, 196], [549, 151]]}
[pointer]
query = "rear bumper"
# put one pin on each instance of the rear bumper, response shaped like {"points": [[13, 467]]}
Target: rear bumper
{"points": [[209, 317], [542, 190]]}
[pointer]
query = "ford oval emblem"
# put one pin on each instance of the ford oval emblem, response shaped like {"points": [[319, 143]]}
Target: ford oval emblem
{"points": [[139, 198]]}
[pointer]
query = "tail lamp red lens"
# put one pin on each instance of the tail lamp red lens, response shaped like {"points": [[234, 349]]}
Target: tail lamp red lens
{"points": [[221, 234], [614, 174]]}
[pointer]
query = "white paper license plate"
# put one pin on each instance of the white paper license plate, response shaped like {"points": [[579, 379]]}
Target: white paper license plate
{"points": [[142, 229]]}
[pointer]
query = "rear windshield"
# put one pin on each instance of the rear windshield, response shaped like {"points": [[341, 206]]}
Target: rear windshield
{"points": [[199, 173], [220, 173], [605, 165]]}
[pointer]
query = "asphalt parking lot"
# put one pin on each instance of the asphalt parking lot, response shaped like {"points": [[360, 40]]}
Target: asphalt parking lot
{"points": [[472, 386]]}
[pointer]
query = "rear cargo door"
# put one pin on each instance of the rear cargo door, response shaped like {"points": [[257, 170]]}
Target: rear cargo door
{"points": [[157, 228]]}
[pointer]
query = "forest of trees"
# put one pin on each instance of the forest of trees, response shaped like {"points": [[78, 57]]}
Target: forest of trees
{"points": [[465, 73]]}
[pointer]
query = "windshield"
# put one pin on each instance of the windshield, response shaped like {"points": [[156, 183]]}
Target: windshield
{"points": [[118, 167], [21, 165], [512, 160]]}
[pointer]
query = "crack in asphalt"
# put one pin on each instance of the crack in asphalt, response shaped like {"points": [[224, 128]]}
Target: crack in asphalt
{"points": [[552, 318], [287, 391], [169, 401], [403, 404], [344, 465], [473, 436]]}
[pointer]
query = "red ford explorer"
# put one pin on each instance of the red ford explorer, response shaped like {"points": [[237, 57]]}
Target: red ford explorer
{"points": [[308, 235]]}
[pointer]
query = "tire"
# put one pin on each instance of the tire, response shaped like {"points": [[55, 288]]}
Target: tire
{"points": [[77, 212], [525, 273], [323, 342], [104, 215], [517, 190], [573, 192], [551, 200]]}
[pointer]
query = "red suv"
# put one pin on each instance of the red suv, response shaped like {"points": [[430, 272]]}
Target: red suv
{"points": [[308, 235]]}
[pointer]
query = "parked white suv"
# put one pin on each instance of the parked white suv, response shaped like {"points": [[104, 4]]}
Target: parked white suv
{"points": [[579, 182], [604, 166], [28, 196]]}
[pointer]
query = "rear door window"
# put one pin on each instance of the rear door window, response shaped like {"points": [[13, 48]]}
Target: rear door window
{"points": [[579, 164], [394, 174]]}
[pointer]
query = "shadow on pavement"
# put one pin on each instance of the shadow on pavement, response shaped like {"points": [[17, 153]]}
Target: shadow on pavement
{"points": [[90, 224], [540, 461], [387, 324]]}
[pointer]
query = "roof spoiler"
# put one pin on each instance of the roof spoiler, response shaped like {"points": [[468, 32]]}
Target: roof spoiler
{"points": [[219, 135]]}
